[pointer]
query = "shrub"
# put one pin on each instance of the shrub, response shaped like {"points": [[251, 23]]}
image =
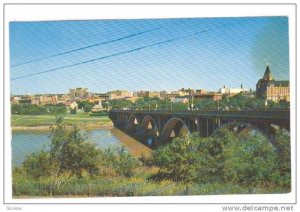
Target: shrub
{"points": [[120, 161], [37, 164]]}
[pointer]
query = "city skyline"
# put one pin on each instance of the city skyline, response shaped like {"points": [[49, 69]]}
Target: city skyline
{"points": [[130, 91], [150, 54]]}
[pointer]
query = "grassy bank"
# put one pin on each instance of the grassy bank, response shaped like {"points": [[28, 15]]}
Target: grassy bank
{"points": [[139, 184], [83, 120]]}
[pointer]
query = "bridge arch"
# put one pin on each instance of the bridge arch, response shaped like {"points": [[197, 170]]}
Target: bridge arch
{"points": [[239, 126], [148, 123], [132, 121], [173, 128]]}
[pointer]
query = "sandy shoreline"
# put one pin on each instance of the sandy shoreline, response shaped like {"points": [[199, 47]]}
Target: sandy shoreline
{"points": [[107, 126]]}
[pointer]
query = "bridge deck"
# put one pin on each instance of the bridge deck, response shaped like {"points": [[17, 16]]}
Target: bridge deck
{"points": [[260, 114]]}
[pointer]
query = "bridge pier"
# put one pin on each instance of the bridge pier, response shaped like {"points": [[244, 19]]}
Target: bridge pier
{"points": [[198, 125], [206, 127]]}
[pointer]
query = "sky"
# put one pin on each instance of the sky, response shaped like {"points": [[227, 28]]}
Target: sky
{"points": [[146, 54]]}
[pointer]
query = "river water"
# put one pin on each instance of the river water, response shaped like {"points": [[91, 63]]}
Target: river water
{"points": [[26, 142]]}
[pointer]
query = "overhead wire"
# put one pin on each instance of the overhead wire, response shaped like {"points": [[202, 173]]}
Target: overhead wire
{"points": [[120, 53], [86, 47]]}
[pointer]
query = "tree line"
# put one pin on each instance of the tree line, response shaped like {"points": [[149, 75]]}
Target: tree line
{"points": [[237, 102], [29, 109]]}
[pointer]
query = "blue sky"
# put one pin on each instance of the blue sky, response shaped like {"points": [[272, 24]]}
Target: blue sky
{"points": [[150, 54]]}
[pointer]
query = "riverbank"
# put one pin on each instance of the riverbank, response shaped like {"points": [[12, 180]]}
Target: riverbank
{"points": [[43, 122], [107, 126]]}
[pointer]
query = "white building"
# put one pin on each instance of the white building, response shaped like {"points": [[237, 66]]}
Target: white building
{"points": [[233, 91]]}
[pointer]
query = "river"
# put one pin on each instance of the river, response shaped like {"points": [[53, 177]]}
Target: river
{"points": [[29, 141]]}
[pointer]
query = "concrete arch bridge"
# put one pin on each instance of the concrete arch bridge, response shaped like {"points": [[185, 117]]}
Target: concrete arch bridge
{"points": [[164, 125]]}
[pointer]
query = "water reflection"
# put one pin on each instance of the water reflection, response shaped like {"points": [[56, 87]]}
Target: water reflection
{"points": [[24, 143]]}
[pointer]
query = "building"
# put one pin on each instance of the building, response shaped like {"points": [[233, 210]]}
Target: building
{"points": [[119, 94], [26, 99], [78, 93], [140, 93], [35, 99], [15, 99], [97, 97], [150, 94], [62, 98], [72, 93], [163, 94], [208, 96], [181, 99], [200, 91], [172, 95], [185, 92], [45, 99], [233, 91], [271, 89]]}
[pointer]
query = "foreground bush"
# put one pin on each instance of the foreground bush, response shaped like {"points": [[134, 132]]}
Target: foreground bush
{"points": [[228, 157]]}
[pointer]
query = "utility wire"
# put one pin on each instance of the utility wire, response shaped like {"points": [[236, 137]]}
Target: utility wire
{"points": [[116, 54], [112, 55], [86, 47]]}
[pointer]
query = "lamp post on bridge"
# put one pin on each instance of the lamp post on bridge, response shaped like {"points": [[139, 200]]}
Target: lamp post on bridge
{"points": [[149, 105], [266, 104], [192, 105], [190, 100]]}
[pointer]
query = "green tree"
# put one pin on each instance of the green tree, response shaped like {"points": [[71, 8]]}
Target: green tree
{"points": [[283, 148], [212, 157], [76, 155], [120, 161], [249, 160], [27, 109], [179, 106], [125, 163], [85, 105], [119, 103], [16, 108], [69, 154], [206, 104], [37, 164], [73, 111], [141, 103], [178, 160], [55, 109], [88, 108]]}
